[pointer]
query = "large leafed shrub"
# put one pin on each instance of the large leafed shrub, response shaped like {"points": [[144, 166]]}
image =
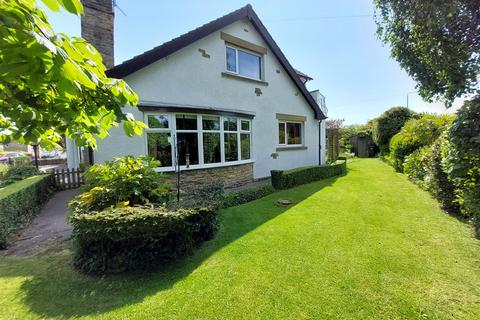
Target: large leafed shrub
{"points": [[388, 124], [120, 239], [415, 166], [436, 179], [125, 181], [462, 158], [416, 133]]}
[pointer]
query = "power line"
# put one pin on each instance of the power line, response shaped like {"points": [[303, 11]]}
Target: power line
{"points": [[321, 18]]}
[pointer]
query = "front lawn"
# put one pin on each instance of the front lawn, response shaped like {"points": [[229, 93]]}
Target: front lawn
{"points": [[368, 245]]}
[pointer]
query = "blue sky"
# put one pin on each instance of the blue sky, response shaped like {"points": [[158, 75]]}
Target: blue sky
{"points": [[332, 41]]}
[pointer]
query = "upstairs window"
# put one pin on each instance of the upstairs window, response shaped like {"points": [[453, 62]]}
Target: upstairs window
{"points": [[244, 63]]}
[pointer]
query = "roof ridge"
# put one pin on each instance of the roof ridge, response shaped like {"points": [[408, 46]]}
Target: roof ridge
{"points": [[173, 40], [148, 57]]}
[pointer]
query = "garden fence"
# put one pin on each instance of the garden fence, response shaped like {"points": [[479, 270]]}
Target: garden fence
{"points": [[64, 179]]}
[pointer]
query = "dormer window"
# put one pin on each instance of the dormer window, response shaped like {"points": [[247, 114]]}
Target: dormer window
{"points": [[243, 63]]}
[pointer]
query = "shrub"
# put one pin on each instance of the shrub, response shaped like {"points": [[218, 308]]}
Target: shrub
{"points": [[415, 134], [209, 195], [20, 172], [3, 170], [415, 166], [388, 124], [291, 178], [20, 202], [462, 159], [436, 179], [120, 239], [127, 181], [236, 198], [25, 160]]}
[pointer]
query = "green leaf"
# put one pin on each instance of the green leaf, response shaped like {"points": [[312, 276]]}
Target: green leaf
{"points": [[52, 5], [72, 6]]}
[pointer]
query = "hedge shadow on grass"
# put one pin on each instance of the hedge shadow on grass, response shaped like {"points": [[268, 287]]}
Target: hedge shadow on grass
{"points": [[54, 289]]}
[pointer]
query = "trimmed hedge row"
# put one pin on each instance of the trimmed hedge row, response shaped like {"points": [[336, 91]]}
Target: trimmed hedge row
{"points": [[236, 198], [20, 202], [120, 239], [284, 179]]}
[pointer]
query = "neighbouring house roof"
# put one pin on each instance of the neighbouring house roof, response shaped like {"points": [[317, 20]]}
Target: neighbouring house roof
{"points": [[138, 62], [303, 75]]}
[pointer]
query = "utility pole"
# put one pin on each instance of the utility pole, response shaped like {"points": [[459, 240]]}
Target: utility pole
{"points": [[407, 97]]}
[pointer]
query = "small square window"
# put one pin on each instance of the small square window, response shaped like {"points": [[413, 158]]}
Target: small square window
{"points": [[294, 133], [186, 122], [245, 125], [210, 123], [158, 121], [230, 124]]}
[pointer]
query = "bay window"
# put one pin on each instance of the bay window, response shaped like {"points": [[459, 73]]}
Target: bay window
{"points": [[202, 140]]}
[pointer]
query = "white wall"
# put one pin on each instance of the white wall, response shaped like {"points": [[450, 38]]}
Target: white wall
{"points": [[187, 78], [323, 142]]}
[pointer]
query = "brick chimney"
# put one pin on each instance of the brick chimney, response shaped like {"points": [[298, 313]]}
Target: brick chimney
{"points": [[97, 27]]}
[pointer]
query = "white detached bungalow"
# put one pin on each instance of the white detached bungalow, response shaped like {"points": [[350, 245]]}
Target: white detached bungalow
{"points": [[226, 96]]}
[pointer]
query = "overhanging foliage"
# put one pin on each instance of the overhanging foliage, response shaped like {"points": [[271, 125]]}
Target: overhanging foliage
{"points": [[53, 85]]}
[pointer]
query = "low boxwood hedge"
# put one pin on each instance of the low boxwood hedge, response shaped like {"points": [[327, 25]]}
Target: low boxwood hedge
{"points": [[236, 198], [284, 179], [20, 202], [120, 239]]}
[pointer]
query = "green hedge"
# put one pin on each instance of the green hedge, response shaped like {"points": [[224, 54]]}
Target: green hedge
{"points": [[20, 202], [236, 198], [417, 133], [116, 240], [295, 177]]}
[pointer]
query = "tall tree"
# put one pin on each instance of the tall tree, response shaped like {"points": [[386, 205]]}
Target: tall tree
{"points": [[436, 41], [53, 85]]}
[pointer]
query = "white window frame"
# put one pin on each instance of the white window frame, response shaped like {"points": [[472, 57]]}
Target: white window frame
{"points": [[286, 144], [240, 132], [197, 131], [237, 67], [172, 129], [171, 126], [219, 131]]}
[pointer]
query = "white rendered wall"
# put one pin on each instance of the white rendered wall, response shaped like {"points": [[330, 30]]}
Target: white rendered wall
{"points": [[323, 142], [187, 78]]}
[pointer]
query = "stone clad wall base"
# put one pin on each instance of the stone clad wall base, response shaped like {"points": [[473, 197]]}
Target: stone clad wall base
{"points": [[232, 176]]}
